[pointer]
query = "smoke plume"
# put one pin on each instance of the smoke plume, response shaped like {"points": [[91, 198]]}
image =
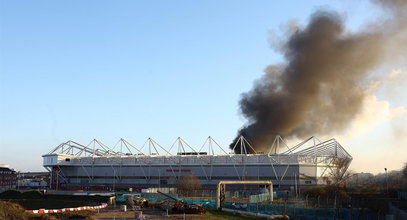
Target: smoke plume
{"points": [[319, 90]]}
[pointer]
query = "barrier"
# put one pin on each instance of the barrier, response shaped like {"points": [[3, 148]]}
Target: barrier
{"points": [[208, 203], [397, 212], [302, 212], [103, 205], [259, 197]]}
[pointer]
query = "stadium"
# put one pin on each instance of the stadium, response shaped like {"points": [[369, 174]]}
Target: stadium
{"points": [[95, 166]]}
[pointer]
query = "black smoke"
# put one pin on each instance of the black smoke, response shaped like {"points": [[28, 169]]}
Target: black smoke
{"points": [[319, 90]]}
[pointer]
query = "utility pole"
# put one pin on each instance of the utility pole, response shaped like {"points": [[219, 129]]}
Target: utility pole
{"points": [[18, 180]]}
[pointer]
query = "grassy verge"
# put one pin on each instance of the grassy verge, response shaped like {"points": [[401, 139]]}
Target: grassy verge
{"points": [[14, 211], [11, 211], [86, 214], [217, 215]]}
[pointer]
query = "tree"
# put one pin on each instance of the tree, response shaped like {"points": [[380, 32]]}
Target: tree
{"points": [[339, 170], [130, 202], [188, 184], [404, 177], [404, 171]]}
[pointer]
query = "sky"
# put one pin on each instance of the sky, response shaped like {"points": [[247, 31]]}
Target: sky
{"points": [[79, 70]]}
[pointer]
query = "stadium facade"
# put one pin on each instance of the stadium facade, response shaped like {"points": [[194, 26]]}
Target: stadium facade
{"points": [[99, 167]]}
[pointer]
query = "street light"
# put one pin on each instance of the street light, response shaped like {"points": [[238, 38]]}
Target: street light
{"points": [[18, 180], [387, 183]]}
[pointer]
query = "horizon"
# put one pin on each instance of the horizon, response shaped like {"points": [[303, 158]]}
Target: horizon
{"points": [[75, 70]]}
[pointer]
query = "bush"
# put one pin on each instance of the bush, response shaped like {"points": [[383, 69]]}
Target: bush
{"points": [[187, 185], [34, 194], [326, 191], [11, 211], [15, 194], [315, 191], [10, 194]]}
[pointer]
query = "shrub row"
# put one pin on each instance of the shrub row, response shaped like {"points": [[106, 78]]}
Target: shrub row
{"points": [[13, 211], [15, 194]]}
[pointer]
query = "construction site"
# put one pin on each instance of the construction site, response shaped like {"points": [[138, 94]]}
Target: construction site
{"points": [[96, 166]]}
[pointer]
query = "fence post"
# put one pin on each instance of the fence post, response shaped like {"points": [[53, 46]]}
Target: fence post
{"points": [[335, 201], [294, 212], [306, 200]]}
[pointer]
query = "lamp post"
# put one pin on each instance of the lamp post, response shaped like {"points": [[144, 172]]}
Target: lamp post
{"points": [[18, 180], [114, 179], [159, 180], [387, 183]]}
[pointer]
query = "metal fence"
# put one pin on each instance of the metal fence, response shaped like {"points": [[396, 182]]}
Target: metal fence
{"points": [[398, 209], [300, 212], [402, 195]]}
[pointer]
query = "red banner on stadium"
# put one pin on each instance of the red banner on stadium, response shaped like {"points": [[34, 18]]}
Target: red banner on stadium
{"points": [[177, 170]]}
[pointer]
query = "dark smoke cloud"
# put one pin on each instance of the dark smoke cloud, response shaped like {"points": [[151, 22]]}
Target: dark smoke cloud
{"points": [[319, 90]]}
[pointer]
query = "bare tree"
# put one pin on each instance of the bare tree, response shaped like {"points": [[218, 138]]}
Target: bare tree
{"points": [[339, 171], [130, 202], [188, 184]]}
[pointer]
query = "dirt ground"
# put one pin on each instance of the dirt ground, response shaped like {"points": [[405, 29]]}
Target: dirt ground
{"points": [[111, 213], [152, 213]]}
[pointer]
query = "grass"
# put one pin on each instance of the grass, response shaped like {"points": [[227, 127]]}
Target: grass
{"points": [[11, 211], [86, 214], [218, 215], [14, 211]]}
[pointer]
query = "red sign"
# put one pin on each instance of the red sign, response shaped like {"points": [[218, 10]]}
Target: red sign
{"points": [[177, 170]]}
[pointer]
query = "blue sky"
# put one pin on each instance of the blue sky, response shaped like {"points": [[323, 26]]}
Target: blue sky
{"points": [[135, 69]]}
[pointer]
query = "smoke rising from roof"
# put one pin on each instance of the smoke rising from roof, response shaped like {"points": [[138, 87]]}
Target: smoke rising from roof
{"points": [[319, 90]]}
